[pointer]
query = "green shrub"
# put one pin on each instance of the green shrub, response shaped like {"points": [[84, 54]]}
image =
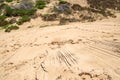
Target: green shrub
{"points": [[8, 11], [11, 27], [40, 4], [3, 17], [23, 19], [18, 12], [62, 1], [3, 22], [8, 0], [23, 12]]}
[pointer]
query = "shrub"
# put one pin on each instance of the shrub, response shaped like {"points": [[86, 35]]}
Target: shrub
{"points": [[8, 0], [40, 4], [13, 20], [26, 4], [62, 1], [76, 7], [1, 1], [63, 8], [23, 19], [104, 4], [18, 12], [3, 22], [23, 4], [23, 12], [8, 11], [3, 17], [49, 17], [11, 27]]}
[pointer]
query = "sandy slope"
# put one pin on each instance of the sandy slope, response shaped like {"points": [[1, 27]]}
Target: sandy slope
{"points": [[78, 51]]}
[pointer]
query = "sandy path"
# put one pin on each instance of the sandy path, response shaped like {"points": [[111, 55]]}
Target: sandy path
{"points": [[79, 51]]}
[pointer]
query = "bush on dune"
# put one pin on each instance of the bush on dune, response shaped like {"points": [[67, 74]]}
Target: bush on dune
{"points": [[104, 4], [11, 27], [8, 0], [62, 1], [23, 12], [3, 22], [40, 4], [23, 19]]}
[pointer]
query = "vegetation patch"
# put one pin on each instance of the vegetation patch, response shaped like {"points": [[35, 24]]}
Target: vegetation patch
{"points": [[62, 1], [104, 4], [49, 17], [18, 12], [63, 8], [8, 0], [23, 19], [40, 4], [8, 28], [3, 22], [23, 12]]}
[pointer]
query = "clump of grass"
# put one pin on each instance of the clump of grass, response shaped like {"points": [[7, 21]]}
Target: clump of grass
{"points": [[23, 19], [8, 0], [40, 4], [62, 1], [3, 22], [8, 11], [23, 12], [2, 17], [8, 28]]}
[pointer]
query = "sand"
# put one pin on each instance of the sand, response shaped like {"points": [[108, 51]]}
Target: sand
{"points": [[77, 51]]}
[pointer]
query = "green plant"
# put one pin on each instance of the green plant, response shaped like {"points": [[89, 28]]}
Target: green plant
{"points": [[18, 12], [11, 27], [23, 19], [3, 22], [8, 11], [8, 0], [62, 1], [23, 12], [3, 17], [40, 4]]}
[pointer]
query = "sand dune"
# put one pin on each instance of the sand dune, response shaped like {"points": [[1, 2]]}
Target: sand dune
{"points": [[78, 51]]}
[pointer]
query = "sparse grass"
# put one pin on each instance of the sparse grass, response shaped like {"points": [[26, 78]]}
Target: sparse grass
{"points": [[62, 1], [40, 4], [3, 22], [8, 11], [8, 0], [23, 12], [11, 27], [3, 17], [23, 19]]}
